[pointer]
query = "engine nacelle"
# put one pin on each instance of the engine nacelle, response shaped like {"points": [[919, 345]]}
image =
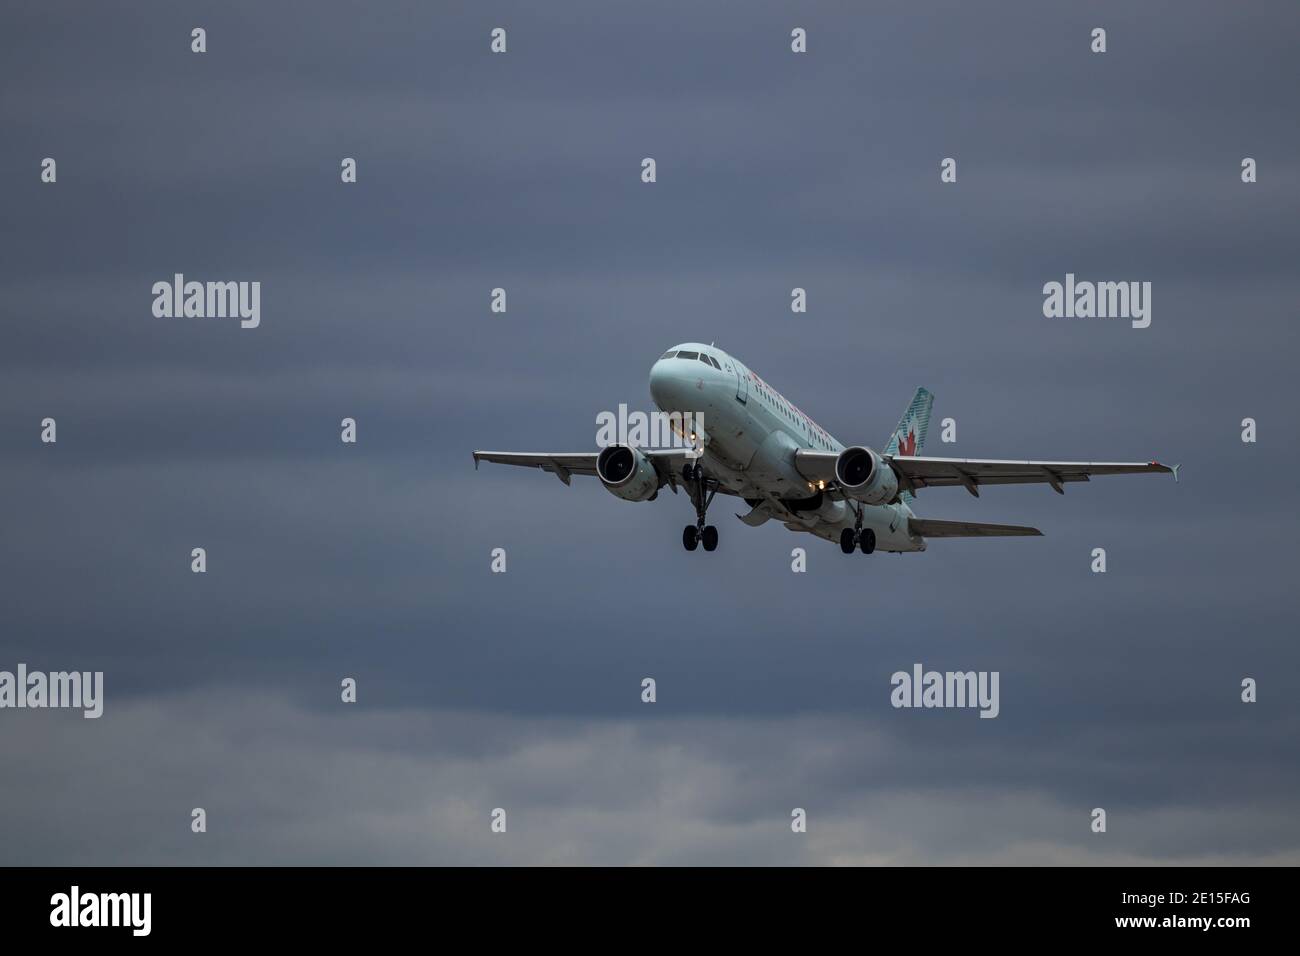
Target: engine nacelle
{"points": [[865, 476], [627, 473]]}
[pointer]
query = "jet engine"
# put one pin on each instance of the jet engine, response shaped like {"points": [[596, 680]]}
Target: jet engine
{"points": [[627, 473], [865, 476]]}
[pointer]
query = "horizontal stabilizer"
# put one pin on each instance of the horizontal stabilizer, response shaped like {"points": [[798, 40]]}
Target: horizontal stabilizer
{"points": [[929, 528]]}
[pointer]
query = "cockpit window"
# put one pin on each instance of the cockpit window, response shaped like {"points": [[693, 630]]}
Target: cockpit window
{"points": [[688, 355], [669, 354], [705, 359], [715, 363]]}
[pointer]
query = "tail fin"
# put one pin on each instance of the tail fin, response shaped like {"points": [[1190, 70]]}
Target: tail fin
{"points": [[909, 436]]}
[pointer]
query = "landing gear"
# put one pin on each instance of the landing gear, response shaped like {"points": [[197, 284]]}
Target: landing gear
{"points": [[710, 538], [694, 535], [701, 489], [857, 537]]}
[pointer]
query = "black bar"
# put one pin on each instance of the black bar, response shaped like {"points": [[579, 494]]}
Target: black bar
{"points": [[208, 905]]}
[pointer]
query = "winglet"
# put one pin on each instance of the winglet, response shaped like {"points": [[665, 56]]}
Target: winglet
{"points": [[476, 461], [1169, 468]]}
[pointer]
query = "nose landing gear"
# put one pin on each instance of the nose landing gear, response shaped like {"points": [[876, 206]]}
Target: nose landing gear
{"points": [[701, 489]]}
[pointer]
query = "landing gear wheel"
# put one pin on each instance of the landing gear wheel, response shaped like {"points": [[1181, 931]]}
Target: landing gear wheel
{"points": [[867, 542], [689, 473], [846, 540], [691, 537], [710, 538]]}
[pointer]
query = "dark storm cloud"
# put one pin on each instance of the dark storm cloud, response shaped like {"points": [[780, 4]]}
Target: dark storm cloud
{"points": [[522, 171]]}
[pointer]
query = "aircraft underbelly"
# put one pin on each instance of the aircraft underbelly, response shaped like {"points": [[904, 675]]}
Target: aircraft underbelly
{"points": [[888, 523], [733, 442], [755, 460]]}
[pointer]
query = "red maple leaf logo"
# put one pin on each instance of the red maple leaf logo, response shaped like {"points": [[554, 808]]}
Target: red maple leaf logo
{"points": [[907, 443]]}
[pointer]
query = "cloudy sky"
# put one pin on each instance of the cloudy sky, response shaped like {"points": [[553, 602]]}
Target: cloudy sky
{"points": [[522, 690]]}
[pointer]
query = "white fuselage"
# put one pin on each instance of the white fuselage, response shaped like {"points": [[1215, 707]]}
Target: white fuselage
{"points": [[750, 435]]}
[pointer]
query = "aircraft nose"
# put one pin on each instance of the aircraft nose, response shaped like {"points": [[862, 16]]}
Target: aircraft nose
{"points": [[664, 384], [681, 385]]}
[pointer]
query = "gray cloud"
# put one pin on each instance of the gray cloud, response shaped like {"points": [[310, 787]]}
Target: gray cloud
{"points": [[280, 783]]}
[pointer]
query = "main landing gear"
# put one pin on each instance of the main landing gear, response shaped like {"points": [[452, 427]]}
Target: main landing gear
{"points": [[856, 537], [701, 489]]}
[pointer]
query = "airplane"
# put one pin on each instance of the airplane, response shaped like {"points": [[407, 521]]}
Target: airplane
{"points": [[753, 443]]}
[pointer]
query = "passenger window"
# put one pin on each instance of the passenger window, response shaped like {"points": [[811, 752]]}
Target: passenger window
{"points": [[688, 355]]}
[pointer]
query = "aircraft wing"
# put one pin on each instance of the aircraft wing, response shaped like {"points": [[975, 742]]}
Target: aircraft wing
{"points": [[561, 464], [919, 472], [970, 473], [931, 528], [668, 463]]}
